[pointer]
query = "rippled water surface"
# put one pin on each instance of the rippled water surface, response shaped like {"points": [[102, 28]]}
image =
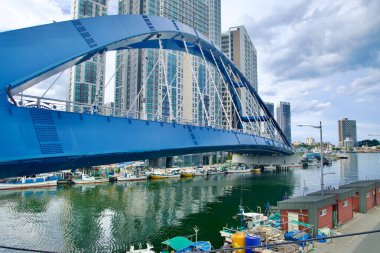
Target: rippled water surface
{"points": [[111, 217]]}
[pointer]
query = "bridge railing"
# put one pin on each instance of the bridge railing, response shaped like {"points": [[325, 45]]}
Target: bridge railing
{"points": [[31, 101]]}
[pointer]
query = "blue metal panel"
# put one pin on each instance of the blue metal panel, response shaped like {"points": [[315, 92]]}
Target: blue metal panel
{"points": [[85, 142], [37, 140]]}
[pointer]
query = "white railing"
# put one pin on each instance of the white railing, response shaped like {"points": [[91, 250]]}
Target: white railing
{"points": [[70, 106]]}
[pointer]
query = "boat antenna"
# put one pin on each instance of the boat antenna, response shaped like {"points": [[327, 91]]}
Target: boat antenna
{"points": [[196, 229]]}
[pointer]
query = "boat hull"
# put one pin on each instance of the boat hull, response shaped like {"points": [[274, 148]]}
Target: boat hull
{"points": [[7, 186], [123, 179], [95, 181], [238, 171], [164, 176], [187, 174]]}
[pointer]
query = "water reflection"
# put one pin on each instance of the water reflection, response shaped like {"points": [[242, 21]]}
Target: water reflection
{"points": [[111, 217], [349, 169]]}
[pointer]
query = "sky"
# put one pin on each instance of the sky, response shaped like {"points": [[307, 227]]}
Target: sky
{"points": [[321, 56]]}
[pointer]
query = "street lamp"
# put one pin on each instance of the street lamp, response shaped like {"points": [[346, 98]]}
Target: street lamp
{"points": [[321, 152]]}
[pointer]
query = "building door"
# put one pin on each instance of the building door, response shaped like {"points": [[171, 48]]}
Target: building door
{"points": [[292, 225], [335, 215], [355, 203], [374, 197]]}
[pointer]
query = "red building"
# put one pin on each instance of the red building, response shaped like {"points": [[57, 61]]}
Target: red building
{"points": [[343, 208], [305, 211], [366, 194]]}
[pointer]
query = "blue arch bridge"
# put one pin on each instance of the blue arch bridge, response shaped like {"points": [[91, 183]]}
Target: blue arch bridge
{"points": [[41, 134]]}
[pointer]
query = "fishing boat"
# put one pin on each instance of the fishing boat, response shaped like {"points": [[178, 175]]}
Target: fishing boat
{"points": [[183, 244], [256, 170], [174, 173], [247, 222], [149, 249], [270, 168], [24, 182], [200, 171], [85, 179], [214, 171], [239, 169], [126, 176]]}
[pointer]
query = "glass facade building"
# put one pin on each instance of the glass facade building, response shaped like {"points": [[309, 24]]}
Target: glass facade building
{"points": [[347, 131], [284, 119], [86, 83], [163, 84], [270, 107], [237, 45]]}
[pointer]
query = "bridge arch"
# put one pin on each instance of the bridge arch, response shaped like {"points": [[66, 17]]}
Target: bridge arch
{"points": [[33, 54]]}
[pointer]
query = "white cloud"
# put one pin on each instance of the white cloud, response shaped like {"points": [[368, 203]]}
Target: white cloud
{"points": [[322, 56]]}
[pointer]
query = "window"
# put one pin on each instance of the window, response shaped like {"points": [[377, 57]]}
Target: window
{"points": [[323, 212], [345, 203]]}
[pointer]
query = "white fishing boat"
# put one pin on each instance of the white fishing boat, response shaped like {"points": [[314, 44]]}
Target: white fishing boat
{"points": [[214, 171], [239, 169], [270, 168], [149, 249], [24, 183], [126, 176], [200, 171], [85, 179]]}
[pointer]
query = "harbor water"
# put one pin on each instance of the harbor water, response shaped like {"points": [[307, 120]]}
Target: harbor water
{"points": [[111, 217]]}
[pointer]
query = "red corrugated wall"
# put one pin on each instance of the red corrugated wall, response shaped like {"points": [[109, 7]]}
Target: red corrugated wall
{"points": [[378, 196], [345, 213], [326, 220]]}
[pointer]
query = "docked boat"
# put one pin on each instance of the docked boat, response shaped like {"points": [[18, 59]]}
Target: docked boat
{"points": [[239, 169], [247, 222], [270, 168], [126, 176], [187, 173], [214, 171], [149, 249], [166, 174], [85, 179], [256, 170], [200, 171], [24, 183], [182, 244]]}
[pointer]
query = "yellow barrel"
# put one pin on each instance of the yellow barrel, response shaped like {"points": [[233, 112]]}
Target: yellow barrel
{"points": [[238, 241]]}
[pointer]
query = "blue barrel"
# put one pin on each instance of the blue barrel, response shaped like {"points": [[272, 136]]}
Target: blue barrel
{"points": [[252, 240]]}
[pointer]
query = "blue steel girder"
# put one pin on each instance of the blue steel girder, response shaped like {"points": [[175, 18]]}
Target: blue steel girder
{"points": [[36, 140], [33, 54]]}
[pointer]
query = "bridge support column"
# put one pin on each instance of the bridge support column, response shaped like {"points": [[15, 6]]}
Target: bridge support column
{"points": [[157, 162], [266, 160]]}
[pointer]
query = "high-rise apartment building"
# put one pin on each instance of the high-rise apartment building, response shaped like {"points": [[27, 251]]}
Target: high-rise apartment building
{"points": [[86, 84], [158, 84], [347, 131], [310, 141], [237, 45], [270, 107], [284, 119]]}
